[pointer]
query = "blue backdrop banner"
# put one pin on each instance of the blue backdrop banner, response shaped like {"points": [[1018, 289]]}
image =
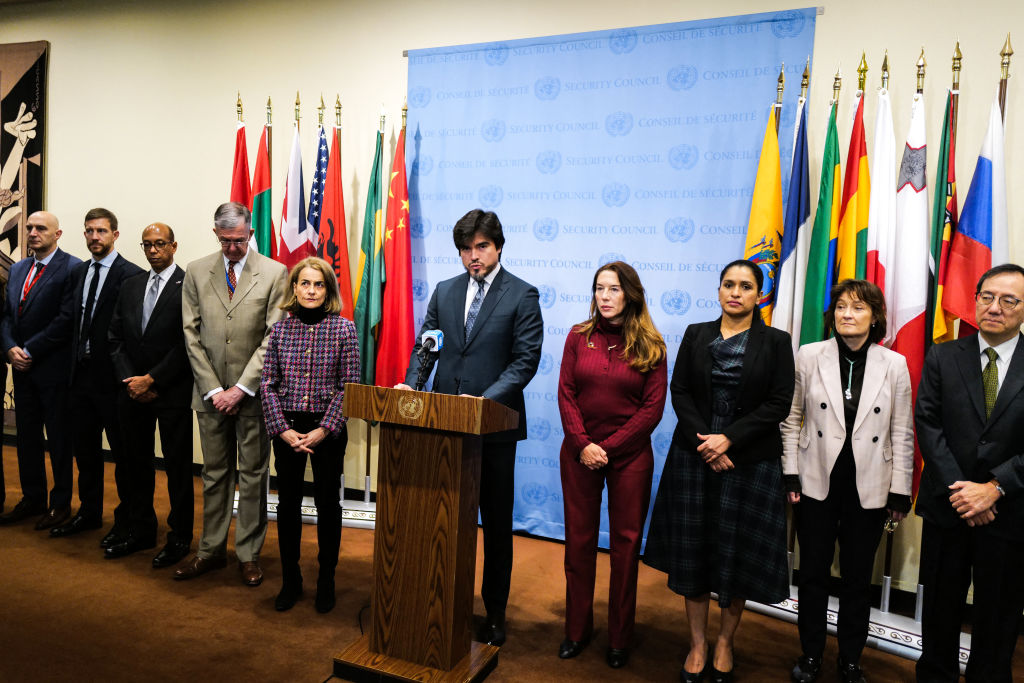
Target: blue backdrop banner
{"points": [[639, 144]]}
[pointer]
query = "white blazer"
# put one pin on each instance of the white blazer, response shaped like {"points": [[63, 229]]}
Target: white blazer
{"points": [[883, 432]]}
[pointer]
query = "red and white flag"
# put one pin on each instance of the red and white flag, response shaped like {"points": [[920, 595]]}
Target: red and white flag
{"points": [[882, 205], [298, 238]]}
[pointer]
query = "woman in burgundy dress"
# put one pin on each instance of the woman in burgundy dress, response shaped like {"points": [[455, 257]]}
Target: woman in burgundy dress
{"points": [[611, 396]]}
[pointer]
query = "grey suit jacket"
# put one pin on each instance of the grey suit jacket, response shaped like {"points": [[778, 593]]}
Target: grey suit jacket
{"points": [[501, 354], [227, 338]]}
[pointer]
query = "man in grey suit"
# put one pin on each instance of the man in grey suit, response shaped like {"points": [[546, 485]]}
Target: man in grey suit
{"points": [[230, 300], [492, 341], [970, 427]]}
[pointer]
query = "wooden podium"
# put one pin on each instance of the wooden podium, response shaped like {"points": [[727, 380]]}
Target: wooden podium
{"points": [[424, 550]]}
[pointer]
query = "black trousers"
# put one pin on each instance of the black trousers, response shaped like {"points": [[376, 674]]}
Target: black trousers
{"points": [[327, 461], [820, 523], [949, 560], [93, 412], [42, 404], [139, 423], [497, 497]]}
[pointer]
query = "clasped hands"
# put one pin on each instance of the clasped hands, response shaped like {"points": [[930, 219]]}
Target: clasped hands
{"points": [[303, 443], [20, 361], [593, 457], [140, 388], [974, 502], [713, 450]]}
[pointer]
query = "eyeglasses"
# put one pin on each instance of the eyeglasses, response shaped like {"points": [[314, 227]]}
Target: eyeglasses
{"points": [[159, 244], [1006, 302], [224, 242]]}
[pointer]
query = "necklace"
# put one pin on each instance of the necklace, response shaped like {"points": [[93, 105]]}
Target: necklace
{"points": [[849, 381]]}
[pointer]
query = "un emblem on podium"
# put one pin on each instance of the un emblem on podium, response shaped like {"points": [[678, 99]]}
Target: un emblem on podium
{"points": [[410, 407]]}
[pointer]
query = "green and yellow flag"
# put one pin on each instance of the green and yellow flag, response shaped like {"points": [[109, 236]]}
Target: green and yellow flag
{"points": [[944, 222], [368, 292]]}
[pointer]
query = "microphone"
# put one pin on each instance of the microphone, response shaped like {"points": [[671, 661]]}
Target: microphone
{"points": [[431, 343]]}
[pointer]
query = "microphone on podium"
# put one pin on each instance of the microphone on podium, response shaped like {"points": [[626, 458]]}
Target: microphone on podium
{"points": [[431, 343]]}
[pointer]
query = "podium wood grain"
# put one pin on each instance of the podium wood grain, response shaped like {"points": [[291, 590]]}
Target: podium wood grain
{"points": [[424, 560]]}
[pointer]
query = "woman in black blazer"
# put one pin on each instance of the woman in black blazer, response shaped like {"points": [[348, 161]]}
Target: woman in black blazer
{"points": [[719, 519]]}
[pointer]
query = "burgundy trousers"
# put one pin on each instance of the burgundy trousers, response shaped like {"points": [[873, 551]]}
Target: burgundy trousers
{"points": [[629, 493]]}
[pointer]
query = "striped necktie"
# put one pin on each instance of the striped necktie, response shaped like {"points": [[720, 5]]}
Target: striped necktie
{"points": [[474, 307]]}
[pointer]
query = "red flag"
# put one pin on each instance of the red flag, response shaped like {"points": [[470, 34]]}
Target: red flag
{"points": [[333, 243], [262, 219], [240, 190], [396, 333]]}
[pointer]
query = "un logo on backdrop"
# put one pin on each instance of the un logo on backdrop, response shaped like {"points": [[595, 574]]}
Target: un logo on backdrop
{"points": [[492, 130], [679, 229], [662, 442], [675, 302], [547, 296], [788, 24], [419, 97], [545, 229], [615, 194], [610, 256], [490, 196], [549, 161], [547, 88], [497, 55], [622, 41], [419, 290], [422, 165], [420, 228], [539, 429], [683, 157], [618, 123], [534, 494], [547, 362], [682, 77]]}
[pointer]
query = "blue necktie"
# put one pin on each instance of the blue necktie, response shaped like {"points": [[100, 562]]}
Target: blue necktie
{"points": [[474, 308]]}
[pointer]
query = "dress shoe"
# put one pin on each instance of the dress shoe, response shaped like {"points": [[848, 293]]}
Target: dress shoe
{"points": [[690, 677], [849, 672], [325, 599], [22, 511], [806, 669], [492, 631], [289, 595], [570, 648], [720, 676], [252, 575], [76, 525], [199, 566], [52, 518], [171, 554], [112, 538], [617, 657], [127, 547]]}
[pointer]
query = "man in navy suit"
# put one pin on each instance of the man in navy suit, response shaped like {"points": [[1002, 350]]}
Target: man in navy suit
{"points": [[35, 331], [147, 344], [492, 341], [95, 285], [970, 426]]}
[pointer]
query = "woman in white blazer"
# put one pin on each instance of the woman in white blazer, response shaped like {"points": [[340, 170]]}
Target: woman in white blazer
{"points": [[848, 454]]}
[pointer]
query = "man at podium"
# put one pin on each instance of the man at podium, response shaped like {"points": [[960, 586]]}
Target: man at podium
{"points": [[493, 331]]}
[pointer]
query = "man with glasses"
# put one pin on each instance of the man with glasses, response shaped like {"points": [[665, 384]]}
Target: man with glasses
{"points": [[147, 346], [230, 300], [970, 427], [95, 286]]}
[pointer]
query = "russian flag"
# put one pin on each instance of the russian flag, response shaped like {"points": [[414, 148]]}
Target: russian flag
{"points": [[981, 239]]}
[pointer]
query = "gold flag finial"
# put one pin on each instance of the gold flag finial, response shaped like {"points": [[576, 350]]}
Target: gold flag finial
{"points": [[781, 84], [337, 111], [805, 79], [1006, 53], [885, 71], [957, 58], [921, 64], [320, 111], [297, 106], [405, 110], [862, 72], [837, 84], [238, 106], [382, 119], [269, 109]]}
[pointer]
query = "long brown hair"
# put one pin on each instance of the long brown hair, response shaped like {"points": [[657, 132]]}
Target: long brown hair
{"points": [[644, 346]]}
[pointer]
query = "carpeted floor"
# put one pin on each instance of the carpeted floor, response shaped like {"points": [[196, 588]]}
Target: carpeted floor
{"points": [[67, 613]]}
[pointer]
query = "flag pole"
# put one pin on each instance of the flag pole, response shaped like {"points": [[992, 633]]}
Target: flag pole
{"points": [[376, 228], [1005, 53], [238, 107], [955, 92], [837, 85], [805, 79], [919, 597], [921, 64], [268, 125], [885, 71], [778, 96]]}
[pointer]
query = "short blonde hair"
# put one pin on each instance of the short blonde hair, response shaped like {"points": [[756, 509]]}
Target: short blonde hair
{"points": [[332, 304]]}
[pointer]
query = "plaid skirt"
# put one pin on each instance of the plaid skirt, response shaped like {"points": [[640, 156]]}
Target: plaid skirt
{"points": [[722, 533]]}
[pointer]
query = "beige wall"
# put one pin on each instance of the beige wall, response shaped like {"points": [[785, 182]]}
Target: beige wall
{"points": [[142, 94]]}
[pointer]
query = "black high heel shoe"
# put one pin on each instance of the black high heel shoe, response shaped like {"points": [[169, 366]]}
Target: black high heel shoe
{"points": [[689, 677]]}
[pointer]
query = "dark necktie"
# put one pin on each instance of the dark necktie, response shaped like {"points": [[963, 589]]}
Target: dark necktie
{"points": [[149, 303], [90, 299], [990, 381], [474, 307], [232, 279]]}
